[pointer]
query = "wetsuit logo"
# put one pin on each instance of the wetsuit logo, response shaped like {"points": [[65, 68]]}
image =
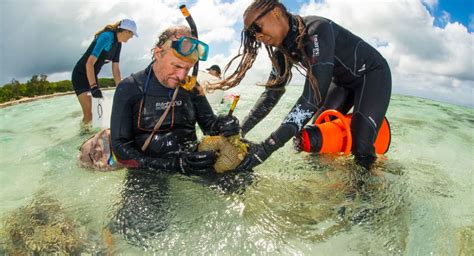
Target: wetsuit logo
{"points": [[315, 55], [298, 116], [164, 105]]}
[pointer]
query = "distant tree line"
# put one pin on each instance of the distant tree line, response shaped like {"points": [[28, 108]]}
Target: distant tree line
{"points": [[39, 85]]}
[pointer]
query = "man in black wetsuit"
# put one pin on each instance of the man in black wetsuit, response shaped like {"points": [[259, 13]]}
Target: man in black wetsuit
{"points": [[330, 55], [140, 101]]}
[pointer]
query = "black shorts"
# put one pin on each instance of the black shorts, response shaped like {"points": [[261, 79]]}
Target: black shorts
{"points": [[80, 82]]}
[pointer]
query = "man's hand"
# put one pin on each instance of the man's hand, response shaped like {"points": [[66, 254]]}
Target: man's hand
{"points": [[225, 125], [162, 144], [96, 92], [197, 163]]}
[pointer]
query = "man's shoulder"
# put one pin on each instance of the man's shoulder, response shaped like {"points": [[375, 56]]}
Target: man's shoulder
{"points": [[133, 82], [127, 80]]}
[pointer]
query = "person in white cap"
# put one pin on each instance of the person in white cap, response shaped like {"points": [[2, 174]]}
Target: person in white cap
{"points": [[104, 48]]}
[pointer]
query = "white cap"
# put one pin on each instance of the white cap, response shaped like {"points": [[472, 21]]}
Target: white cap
{"points": [[129, 25]]}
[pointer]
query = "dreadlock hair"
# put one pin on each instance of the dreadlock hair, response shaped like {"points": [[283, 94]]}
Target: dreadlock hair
{"points": [[110, 27], [170, 32], [251, 47]]}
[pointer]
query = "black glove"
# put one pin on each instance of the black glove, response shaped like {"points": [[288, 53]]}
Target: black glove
{"points": [[257, 154], [225, 125], [162, 164], [197, 163], [96, 92], [163, 143]]}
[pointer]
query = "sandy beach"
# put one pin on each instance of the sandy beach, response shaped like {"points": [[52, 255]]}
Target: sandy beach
{"points": [[29, 99]]}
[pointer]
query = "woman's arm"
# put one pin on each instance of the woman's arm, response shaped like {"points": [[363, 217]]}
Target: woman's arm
{"points": [[116, 73], [267, 100], [103, 40], [90, 70], [262, 108], [115, 65]]}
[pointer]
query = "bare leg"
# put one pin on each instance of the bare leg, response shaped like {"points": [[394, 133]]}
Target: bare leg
{"points": [[86, 105]]}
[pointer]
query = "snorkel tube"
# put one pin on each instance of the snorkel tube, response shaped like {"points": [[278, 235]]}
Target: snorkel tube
{"points": [[190, 82]]}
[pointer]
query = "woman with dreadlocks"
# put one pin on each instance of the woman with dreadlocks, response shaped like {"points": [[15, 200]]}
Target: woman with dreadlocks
{"points": [[328, 55]]}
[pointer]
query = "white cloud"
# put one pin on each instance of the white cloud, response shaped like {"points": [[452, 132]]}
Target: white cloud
{"points": [[443, 19], [471, 22], [439, 88], [59, 76], [423, 58], [216, 19], [256, 75], [420, 55], [223, 34], [64, 39], [432, 4]]}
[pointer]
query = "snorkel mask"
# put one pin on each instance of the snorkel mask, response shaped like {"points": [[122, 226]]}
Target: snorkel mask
{"points": [[186, 46]]}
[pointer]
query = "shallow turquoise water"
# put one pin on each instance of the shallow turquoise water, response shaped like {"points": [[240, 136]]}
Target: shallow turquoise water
{"points": [[418, 202]]}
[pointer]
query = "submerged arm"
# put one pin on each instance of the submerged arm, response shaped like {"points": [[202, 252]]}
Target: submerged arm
{"points": [[269, 98]]}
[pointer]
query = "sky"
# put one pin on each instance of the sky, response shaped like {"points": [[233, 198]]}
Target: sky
{"points": [[429, 44]]}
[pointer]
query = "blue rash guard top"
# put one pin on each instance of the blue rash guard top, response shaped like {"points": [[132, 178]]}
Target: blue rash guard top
{"points": [[105, 48], [104, 42]]}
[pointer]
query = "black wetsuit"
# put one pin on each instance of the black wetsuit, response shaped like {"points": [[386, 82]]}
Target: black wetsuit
{"points": [[137, 108], [359, 75], [79, 79], [145, 208]]}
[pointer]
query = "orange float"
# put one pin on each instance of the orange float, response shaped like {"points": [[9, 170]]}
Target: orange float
{"points": [[334, 129]]}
